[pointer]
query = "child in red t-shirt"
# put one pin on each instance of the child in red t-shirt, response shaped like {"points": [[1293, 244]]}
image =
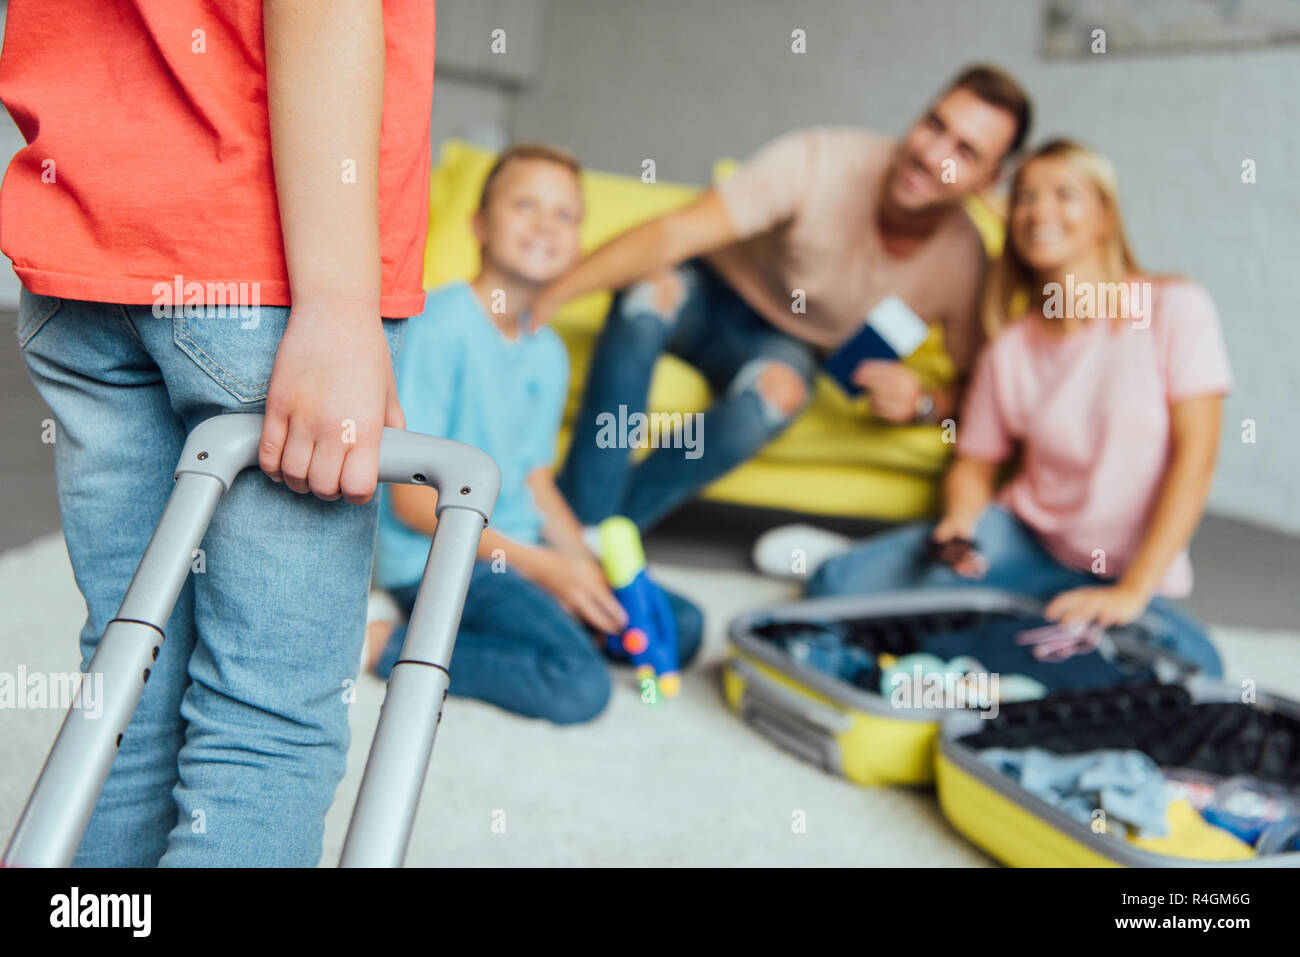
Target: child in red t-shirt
{"points": [[211, 216]]}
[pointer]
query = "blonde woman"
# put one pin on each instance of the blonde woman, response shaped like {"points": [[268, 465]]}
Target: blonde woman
{"points": [[1111, 396]]}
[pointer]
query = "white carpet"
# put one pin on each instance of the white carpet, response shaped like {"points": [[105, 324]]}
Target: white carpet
{"points": [[681, 784]]}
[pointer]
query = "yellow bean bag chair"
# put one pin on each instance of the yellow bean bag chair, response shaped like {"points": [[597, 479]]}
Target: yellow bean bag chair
{"points": [[835, 460]]}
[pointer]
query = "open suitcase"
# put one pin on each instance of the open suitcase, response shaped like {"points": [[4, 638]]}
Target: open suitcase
{"points": [[216, 451], [857, 732], [1198, 724]]}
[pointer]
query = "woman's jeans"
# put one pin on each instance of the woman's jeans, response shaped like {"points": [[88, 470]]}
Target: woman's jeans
{"points": [[518, 649], [241, 735], [1016, 563], [716, 331]]}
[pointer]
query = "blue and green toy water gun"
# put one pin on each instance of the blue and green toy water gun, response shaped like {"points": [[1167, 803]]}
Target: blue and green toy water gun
{"points": [[650, 637]]}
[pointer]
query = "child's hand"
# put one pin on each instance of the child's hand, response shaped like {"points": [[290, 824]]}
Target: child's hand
{"points": [[331, 395], [953, 543], [579, 585], [1103, 605]]}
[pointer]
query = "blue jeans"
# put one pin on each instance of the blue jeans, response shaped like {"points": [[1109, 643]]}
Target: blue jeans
{"points": [[716, 331], [1017, 562], [241, 735], [518, 649]]}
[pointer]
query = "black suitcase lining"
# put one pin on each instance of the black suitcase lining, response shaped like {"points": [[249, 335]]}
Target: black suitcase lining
{"points": [[892, 635], [1222, 738]]}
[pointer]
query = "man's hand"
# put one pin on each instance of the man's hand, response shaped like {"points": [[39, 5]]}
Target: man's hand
{"points": [[331, 394], [894, 388], [1103, 605], [540, 311], [579, 585]]}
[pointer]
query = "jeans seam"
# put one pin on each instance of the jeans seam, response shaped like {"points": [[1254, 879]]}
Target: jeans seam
{"points": [[38, 320], [178, 328], [126, 321], [401, 338]]}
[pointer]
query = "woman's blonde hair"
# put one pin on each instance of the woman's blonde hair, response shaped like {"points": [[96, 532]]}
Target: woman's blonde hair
{"points": [[1010, 289]]}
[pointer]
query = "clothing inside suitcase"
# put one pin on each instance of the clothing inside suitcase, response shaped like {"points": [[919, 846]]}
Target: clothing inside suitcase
{"points": [[1241, 757], [987, 635], [1222, 738], [1128, 730]]}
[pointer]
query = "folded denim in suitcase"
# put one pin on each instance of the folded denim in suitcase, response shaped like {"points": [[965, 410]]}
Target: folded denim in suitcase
{"points": [[850, 727], [1197, 725], [215, 453]]}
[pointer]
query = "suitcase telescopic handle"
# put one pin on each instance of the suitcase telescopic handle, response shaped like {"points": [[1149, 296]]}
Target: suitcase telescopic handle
{"points": [[215, 453], [465, 477]]}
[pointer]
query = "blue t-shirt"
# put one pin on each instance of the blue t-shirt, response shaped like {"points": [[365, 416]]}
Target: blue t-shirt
{"points": [[459, 378]]}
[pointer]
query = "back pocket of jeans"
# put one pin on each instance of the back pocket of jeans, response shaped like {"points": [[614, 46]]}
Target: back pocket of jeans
{"points": [[235, 347], [34, 311]]}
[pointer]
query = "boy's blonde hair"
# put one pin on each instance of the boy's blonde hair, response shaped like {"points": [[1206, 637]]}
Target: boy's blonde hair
{"points": [[528, 151], [1010, 287]]}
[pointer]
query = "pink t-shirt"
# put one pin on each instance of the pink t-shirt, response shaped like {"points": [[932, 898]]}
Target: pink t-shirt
{"points": [[1091, 412]]}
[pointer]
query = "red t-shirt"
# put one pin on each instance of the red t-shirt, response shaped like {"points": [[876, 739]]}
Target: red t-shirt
{"points": [[147, 159]]}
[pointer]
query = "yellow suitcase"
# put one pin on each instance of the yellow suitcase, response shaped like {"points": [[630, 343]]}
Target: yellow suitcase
{"points": [[1199, 724], [857, 732]]}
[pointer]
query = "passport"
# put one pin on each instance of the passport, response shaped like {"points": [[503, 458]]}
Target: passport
{"points": [[891, 331]]}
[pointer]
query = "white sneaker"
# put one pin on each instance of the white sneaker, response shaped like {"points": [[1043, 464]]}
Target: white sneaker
{"points": [[379, 607], [795, 552]]}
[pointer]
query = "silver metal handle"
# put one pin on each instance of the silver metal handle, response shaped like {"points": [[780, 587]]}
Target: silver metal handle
{"points": [[217, 450], [465, 477]]}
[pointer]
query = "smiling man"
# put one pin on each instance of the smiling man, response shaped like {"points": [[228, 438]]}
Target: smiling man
{"points": [[762, 276]]}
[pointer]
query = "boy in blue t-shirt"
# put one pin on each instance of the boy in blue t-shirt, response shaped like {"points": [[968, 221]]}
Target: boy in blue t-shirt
{"points": [[470, 370]]}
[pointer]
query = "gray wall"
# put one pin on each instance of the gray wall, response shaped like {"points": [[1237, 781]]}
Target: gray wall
{"points": [[478, 81], [685, 81]]}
